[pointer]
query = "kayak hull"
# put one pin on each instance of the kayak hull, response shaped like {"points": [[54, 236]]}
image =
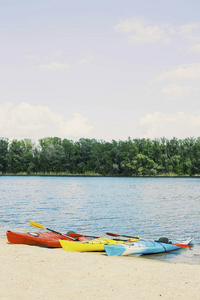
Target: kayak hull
{"points": [[44, 239], [143, 247], [88, 246]]}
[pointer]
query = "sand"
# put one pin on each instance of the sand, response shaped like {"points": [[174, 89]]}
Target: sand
{"points": [[31, 272]]}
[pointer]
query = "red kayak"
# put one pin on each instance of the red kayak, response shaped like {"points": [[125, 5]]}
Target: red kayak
{"points": [[44, 239]]}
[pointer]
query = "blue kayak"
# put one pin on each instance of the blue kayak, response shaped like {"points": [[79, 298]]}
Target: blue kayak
{"points": [[146, 247]]}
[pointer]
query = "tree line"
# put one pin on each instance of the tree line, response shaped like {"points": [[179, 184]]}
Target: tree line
{"points": [[133, 157]]}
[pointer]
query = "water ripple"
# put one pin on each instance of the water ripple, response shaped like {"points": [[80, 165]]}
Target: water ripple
{"points": [[150, 207]]}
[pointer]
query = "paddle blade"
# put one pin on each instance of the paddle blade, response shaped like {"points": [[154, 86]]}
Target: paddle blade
{"points": [[37, 225], [126, 236], [182, 245], [75, 235], [113, 234]]}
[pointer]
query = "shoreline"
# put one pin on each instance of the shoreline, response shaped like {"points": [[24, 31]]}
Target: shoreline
{"points": [[99, 175], [31, 272]]}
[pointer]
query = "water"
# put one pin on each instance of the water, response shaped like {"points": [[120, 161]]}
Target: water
{"points": [[149, 207]]}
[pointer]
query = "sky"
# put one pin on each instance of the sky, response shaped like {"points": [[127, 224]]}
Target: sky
{"points": [[109, 69]]}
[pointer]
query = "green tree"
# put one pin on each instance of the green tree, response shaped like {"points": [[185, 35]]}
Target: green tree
{"points": [[3, 154], [15, 158]]}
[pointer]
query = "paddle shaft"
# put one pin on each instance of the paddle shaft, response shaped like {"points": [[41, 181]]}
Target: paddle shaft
{"points": [[75, 235], [37, 225], [178, 245], [55, 231]]}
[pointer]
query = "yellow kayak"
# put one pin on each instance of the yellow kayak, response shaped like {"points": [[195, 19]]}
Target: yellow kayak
{"points": [[90, 245]]}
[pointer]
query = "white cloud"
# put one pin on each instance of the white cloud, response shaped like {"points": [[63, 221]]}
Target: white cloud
{"points": [[54, 66], [178, 91], [77, 126], [178, 82], [128, 25], [141, 31], [189, 31], [148, 34], [31, 56], [179, 124], [29, 121], [86, 59], [195, 48], [180, 73]]}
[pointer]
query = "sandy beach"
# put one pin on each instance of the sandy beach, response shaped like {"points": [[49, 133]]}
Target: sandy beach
{"points": [[30, 272]]}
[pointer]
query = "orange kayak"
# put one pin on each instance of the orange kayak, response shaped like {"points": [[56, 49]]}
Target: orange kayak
{"points": [[44, 239]]}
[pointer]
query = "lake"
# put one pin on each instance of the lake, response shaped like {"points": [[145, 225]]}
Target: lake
{"points": [[149, 207]]}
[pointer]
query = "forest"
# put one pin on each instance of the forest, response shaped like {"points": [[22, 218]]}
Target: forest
{"points": [[132, 157]]}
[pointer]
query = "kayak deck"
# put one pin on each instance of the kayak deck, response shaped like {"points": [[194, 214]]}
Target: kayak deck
{"points": [[144, 247], [89, 246], [45, 239]]}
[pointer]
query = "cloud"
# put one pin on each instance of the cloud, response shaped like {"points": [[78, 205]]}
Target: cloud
{"points": [[179, 124], [86, 59], [178, 91], [195, 48], [29, 121], [178, 82], [31, 56], [54, 66], [142, 31], [50, 62], [189, 31], [179, 73]]}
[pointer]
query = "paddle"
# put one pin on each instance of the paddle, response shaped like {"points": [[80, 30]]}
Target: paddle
{"points": [[178, 245], [37, 225], [76, 235], [130, 237]]}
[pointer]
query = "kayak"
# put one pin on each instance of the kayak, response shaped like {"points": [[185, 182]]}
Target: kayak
{"points": [[145, 247], [45, 239], [90, 245]]}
